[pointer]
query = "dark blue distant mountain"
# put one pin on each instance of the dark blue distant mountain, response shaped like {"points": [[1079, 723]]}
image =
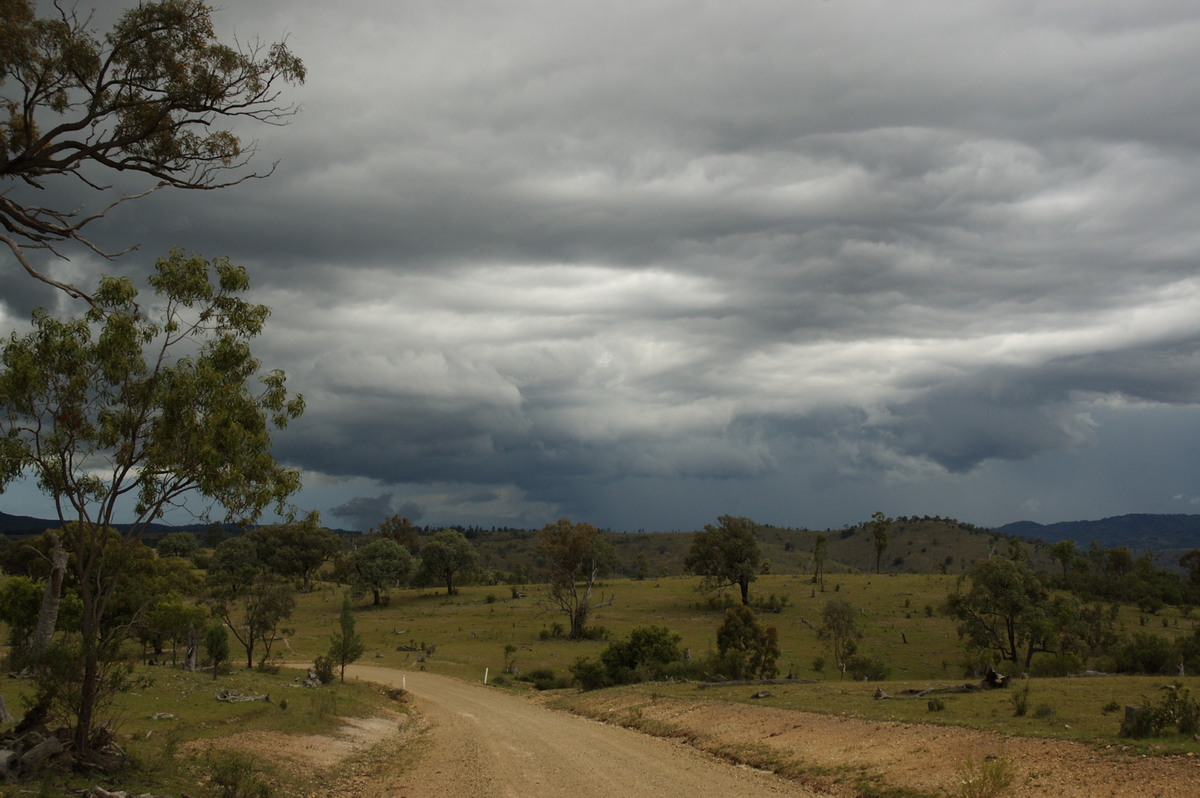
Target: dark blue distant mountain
{"points": [[21, 525], [1137, 532]]}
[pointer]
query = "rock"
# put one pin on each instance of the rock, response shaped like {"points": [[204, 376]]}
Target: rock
{"points": [[763, 694]]}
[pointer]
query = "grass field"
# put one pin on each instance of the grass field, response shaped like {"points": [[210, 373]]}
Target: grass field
{"points": [[468, 634]]}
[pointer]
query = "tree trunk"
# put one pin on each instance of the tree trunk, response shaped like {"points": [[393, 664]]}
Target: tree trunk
{"points": [[189, 662], [48, 614], [744, 584]]}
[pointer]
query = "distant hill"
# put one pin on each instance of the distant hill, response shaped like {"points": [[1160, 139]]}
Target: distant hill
{"points": [[1136, 532]]}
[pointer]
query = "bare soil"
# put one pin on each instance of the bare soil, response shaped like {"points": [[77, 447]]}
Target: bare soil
{"points": [[471, 740]]}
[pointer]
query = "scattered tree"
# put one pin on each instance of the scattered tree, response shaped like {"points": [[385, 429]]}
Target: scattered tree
{"points": [[251, 599], [445, 558], [114, 406], [576, 556], [1005, 610], [820, 553], [400, 530], [377, 567], [178, 544], [157, 96], [345, 645], [879, 534], [295, 550], [1064, 552], [839, 629], [726, 555]]}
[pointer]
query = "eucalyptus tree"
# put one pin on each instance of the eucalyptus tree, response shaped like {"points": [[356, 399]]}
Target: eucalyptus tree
{"points": [[127, 411]]}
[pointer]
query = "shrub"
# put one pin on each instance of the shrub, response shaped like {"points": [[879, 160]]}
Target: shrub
{"points": [[1019, 699], [863, 668], [1044, 711], [991, 778]]}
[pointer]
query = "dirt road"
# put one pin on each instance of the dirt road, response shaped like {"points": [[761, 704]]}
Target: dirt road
{"points": [[484, 742]]}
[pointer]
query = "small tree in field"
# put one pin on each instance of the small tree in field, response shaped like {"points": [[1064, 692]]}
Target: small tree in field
{"points": [[345, 645], [839, 629], [216, 644], [820, 553]]}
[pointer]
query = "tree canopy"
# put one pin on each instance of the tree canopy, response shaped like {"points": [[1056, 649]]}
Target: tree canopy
{"points": [[157, 96]]}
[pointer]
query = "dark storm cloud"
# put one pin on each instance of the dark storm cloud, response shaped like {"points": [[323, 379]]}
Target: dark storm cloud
{"points": [[530, 259]]}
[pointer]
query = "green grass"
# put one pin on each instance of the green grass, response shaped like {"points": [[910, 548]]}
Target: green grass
{"points": [[154, 746]]}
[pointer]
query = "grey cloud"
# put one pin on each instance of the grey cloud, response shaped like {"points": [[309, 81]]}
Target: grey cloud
{"points": [[365, 512], [531, 260]]}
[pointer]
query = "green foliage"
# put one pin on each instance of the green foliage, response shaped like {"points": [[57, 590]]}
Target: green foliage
{"points": [[727, 555], [745, 648], [643, 656]]}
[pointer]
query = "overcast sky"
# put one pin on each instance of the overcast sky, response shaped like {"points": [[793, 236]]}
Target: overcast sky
{"points": [[647, 263]]}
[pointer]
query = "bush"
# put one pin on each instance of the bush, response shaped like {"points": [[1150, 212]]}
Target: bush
{"points": [[589, 674], [1145, 653], [1044, 711], [1063, 665], [323, 666], [235, 776], [545, 679]]}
